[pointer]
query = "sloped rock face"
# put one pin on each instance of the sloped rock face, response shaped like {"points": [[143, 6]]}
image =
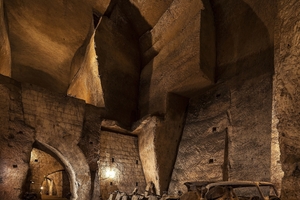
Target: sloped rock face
{"points": [[287, 94], [44, 42], [158, 142]]}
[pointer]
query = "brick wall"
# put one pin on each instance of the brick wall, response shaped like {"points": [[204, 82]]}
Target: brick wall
{"points": [[41, 165], [120, 154]]}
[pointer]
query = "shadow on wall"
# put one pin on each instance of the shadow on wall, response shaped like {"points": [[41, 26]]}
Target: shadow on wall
{"points": [[120, 63], [245, 50], [120, 59], [244, 44], [245, 65]]}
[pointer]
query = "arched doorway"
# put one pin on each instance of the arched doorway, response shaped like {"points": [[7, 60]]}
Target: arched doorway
{"points": [[47, 175]]}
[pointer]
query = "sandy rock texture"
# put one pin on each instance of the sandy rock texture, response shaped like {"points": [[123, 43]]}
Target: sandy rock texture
{"points": [[163, 91], [45, 171], [158, 138], [58, 125], [5, 53], [233, 142], [228, 127], [286, 94], [119, 153], [172, 59], [16, 141], [70, 131]]}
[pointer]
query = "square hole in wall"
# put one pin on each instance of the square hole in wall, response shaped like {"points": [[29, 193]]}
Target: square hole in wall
{"points": [[211, 161], [15, 166], [36, 160]]}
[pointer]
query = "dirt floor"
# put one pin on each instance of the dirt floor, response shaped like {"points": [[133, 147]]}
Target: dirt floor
{"points": [[52, 197]]}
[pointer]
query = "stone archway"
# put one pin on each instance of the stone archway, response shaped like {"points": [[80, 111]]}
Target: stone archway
{"points": [[47, 174], [77, 169], [68, 167], [57, 121]]}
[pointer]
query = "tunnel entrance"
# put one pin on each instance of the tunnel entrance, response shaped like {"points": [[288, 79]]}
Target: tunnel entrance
{"points": [[47, 176]]}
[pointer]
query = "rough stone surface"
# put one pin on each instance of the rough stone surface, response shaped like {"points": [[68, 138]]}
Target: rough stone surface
{"points": [[84, 76], [117, 56], [16, 141], [171, 58], [119, 153], [44, 165], [5, 56], [150, 56], [42, 51], [90, 143], [147, 151], [227, 134], [158, 142], [144, 14], [244, 37], [276, 166], [286, 95], [58, 125], [68, 129]]}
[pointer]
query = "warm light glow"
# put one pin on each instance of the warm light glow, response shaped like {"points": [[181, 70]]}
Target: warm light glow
{"points": [[110, 173], [42, 188]]}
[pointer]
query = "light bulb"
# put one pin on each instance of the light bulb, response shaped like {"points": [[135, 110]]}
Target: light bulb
{"points": [[110, 173]]}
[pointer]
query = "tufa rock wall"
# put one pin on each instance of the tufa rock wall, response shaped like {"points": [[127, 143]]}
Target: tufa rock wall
{"points": [[15, 142], [159, 137], [171, 58], [58, 124], [119, 153], [5, 53], [70, 131], [43, 165], [287, 94], [227, 134], [90, 143]]}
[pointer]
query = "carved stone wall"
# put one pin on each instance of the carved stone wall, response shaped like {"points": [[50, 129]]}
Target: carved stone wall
{"points": [[43, 165], [287, 94], [227, 134], [119, 154], [16, 140]]}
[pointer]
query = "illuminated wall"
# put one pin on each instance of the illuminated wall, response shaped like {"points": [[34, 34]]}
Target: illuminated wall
{"points": [[119, 165]]}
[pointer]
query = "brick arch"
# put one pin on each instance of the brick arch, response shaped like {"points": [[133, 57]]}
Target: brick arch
{"points": [[54, 152], [57, 121]]}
